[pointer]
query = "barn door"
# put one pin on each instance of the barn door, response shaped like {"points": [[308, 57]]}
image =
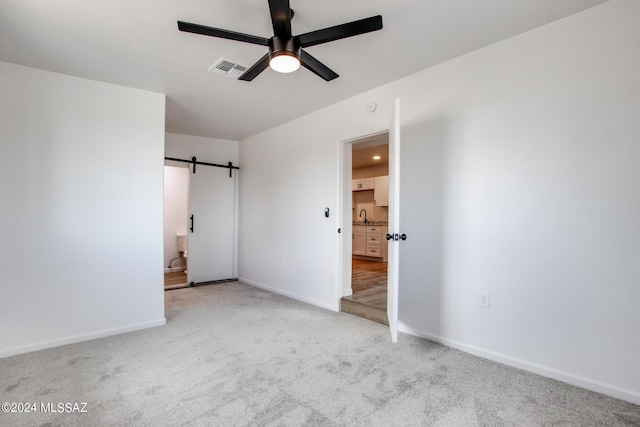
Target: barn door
{"points": [[211, 225]]}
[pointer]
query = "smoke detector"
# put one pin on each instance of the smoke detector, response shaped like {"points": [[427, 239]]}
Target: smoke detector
{"points": [[224, 67]]}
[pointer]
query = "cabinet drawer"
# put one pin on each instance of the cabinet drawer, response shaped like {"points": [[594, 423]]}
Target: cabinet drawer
{"points": [[373, 250], [374, 238]]}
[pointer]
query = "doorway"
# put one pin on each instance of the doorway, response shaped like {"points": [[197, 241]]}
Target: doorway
{"points": [[392, 238], [175, 209], [367, 294]]}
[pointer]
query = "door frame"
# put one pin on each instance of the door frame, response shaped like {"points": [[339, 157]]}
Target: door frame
{"points": [[344, 217]]}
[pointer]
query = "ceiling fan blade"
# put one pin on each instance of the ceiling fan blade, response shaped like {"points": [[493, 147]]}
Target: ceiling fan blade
{"points": [[280, 17], [255, 69], [317, 67], [342, 31], [220, 33]]}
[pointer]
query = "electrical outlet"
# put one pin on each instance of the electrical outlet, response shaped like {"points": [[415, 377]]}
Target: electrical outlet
{"points": [[484, 300]]}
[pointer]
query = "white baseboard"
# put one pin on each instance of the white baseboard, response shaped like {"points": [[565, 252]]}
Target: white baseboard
{"points": [[80, 338], [174, 269], [589, 384], [290, 295]]}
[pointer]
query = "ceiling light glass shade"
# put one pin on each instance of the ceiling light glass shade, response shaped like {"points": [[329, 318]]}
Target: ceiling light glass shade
{"points": [[284, 63]]}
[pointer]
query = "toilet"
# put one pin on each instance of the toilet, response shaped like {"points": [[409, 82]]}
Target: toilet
{"points": [[182, 243]]}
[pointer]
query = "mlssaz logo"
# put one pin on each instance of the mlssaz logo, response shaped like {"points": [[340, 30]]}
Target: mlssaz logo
{"points": [[62, 407]]}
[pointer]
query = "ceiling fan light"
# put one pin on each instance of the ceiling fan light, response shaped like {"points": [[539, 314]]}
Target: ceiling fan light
{"points": [[284, 63]]}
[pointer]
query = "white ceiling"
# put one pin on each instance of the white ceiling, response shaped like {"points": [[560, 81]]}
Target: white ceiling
{"points": [[365, 148], [136, 43]]}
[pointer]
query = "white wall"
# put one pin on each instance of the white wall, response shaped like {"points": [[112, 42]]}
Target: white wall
{"points": [[209, 150], [176, 205], [81, 214], [520, 178], [288, 179]]}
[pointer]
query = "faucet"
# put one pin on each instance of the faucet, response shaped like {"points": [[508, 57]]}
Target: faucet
{"points": [[365, 215]]}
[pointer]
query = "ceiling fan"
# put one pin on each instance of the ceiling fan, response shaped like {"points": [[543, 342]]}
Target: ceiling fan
{"points": [[286, 52]]}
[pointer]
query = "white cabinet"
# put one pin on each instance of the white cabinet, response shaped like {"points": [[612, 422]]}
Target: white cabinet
{"points": [[359, 240], [370, 241], [381, 191], [373, 241], [362, 184], [379, 185]]}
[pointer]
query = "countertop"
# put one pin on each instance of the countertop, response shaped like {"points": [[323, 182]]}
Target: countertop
{"points": [[378, 223]]}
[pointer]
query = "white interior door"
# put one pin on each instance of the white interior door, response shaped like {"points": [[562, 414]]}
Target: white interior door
{"points": [[394, 221], [211, 241]]}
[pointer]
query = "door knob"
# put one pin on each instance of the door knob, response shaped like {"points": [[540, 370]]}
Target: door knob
{"points": [[395, 237]]}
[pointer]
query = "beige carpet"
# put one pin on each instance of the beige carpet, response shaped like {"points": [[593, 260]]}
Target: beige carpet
{"points": [[232, 355]]}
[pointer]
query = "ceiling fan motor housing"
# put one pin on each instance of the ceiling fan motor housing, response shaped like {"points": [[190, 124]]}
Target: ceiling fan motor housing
{"points": [[283, 46]]}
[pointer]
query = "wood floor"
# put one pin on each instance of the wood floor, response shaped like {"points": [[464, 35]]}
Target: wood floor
{"points": [[369, 286], [174, 280]]}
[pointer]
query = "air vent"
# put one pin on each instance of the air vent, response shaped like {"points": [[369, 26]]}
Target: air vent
{"points": [[224, 67]]}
